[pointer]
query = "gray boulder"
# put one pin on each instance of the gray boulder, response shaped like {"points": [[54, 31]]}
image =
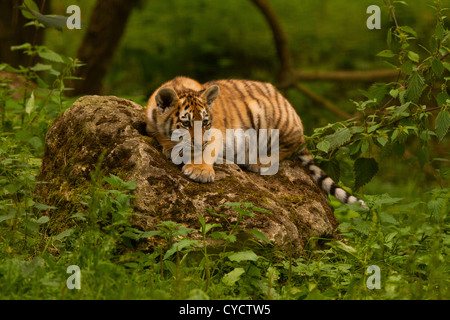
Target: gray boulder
{"points": [[115, 127]]}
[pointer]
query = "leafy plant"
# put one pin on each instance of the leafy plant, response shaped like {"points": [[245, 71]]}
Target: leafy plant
{"points": [[396, 116]]}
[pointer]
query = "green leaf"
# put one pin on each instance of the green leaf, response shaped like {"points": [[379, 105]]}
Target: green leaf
{"points": [[398, 148], [31, 4], [7, 217], [172, 267], [197, 294], [260, 236], [247, 255], [63, 234], [407, 67], [206, 227], [231, 277], [50, 55], [401, 110], [373, 128], [413, 56], [387, 218], [201, 219], [382, 141], [261, 210], [27, 7], [30, 104], [338, 138], [422, 156], [79, 215], [377, 91], [439, 32], [25, 46], [409, 30], [437, 66], [433, 44], [442, 98], [51, 21], [362, 226], [41, 67], [442, 123], [386, 54], [342, 246], [35, 142], [332, 168], [179, 246], [415, 87], [445, 172], [222, 235], [446, 65], [365, 169], [118, 183], [435, 206], [389, 38], [41, 206], [393, 93], [323, 146], [43, 219], [152, 233]]}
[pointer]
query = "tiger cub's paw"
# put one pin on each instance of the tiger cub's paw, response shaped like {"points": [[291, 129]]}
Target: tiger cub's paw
{"points": [[199, 172]]}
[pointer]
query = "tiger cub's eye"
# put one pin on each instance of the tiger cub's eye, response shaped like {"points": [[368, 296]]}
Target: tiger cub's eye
{"points": [[205, 123], [185, 123]]}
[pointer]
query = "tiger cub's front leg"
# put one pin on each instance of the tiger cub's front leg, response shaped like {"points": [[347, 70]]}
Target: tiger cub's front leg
{"points": [[202, 170], [199, 172]]}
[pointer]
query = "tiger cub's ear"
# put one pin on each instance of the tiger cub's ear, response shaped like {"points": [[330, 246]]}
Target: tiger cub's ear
{"points": [[165, 98], [211, 94]]}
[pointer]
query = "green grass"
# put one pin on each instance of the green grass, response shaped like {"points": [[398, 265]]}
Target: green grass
{"points": [[407, 239]]}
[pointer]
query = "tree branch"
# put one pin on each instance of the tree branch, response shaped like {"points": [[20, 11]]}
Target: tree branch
{"points": [[288, 77], [358, 76], [280, 38], [324, 102]]}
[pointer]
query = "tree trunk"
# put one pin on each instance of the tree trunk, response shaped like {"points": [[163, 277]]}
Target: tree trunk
{"points": [[106, 26], [13, 32]]}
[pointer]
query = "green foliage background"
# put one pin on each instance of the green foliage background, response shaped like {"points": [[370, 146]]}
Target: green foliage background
{"points": [[406, 233]]}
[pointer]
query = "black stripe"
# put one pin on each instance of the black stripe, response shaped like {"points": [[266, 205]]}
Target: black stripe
{"points": [[309, 163], [333, 189], [289, 145], [258, 101], [170, 126], [154, 115], [347, 195], [263, 93], [236, 109], [274, 110], [267, 107], [250, 115], [320, 180], [225, 119], [280, 116], [235, 87], [249, 111]]}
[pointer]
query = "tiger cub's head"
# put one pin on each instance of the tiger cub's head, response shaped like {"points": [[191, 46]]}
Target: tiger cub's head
{"points": [[180, 109]]}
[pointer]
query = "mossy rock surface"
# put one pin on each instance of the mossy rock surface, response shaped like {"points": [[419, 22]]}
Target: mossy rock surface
{"points": [[115, 128]]}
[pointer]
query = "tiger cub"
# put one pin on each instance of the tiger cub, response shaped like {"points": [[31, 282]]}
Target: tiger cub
{"points": [[230, 104]]}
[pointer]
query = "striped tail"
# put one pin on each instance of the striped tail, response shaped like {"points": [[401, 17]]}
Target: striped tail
{"points": [[324, 181]]}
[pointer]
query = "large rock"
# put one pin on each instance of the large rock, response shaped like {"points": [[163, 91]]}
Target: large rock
{"points": [[96, 125]]}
